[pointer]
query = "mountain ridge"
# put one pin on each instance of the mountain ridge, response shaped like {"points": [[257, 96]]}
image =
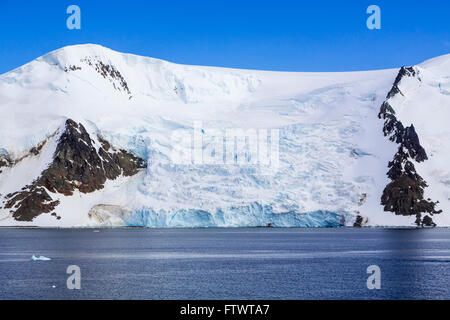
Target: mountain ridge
{"points": [[333, 152]]}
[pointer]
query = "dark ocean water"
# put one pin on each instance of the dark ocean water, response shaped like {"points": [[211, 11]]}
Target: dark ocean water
{"points": [[225, 263]]}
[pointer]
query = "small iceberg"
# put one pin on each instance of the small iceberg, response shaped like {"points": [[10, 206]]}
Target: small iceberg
{"points": [[40, 258]]}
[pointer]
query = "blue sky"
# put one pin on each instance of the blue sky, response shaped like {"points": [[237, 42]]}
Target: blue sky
{"points": [[270, 35]]}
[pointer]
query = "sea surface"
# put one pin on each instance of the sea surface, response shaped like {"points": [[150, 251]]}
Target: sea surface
{"points": [[254, 263]]}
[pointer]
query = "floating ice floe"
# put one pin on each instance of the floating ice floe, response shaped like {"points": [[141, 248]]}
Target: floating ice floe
{"points": [[40, 258]]}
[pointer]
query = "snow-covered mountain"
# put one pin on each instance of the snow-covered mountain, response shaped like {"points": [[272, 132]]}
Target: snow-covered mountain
{"points": [[93, 137]]}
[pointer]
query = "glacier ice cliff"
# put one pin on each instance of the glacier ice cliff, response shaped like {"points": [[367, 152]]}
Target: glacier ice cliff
{"points": [[254, 215]]}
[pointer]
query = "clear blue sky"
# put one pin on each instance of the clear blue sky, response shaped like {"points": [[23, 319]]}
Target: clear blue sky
{"points": [[271, 35]]}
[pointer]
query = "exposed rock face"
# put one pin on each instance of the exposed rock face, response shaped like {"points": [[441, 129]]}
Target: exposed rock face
{"points": [[72, 68], [79, 163], [428, 222], [405, 194], [4, 162], [109, 72], [404, 72], [360, 221], [30, 202]]}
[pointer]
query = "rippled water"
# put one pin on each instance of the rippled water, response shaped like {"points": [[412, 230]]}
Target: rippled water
{"points": [[225, 263]]}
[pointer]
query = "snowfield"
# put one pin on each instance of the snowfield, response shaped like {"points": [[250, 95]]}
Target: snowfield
{"points": [[332, 153]]}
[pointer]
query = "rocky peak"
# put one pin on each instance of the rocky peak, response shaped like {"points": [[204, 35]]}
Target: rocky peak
{"points": [[404, 195], [106, 70], [404, 72], [79, 163], [109, 72]]}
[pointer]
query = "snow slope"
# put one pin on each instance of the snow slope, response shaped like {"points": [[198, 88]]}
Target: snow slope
{"points": [[333, 155]]}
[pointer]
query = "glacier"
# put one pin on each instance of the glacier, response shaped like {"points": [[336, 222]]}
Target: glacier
{"points": [[254, 215], [333, 155]]}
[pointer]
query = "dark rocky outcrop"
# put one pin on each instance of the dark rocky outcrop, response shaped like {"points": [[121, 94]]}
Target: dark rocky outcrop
{"points": [[360, 221], [30, 203], [4, 162], [72, 68], [404, 195], [427, 222], [404, 72], [109, 72], [78, 164]]}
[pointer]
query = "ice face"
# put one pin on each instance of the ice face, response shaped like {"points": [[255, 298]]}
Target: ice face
{"points": [[253, 215]]}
